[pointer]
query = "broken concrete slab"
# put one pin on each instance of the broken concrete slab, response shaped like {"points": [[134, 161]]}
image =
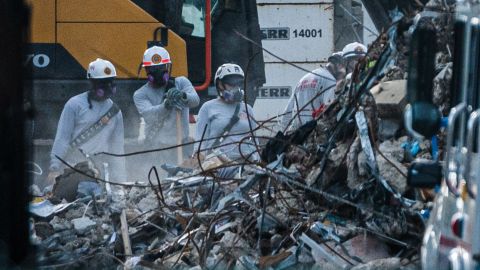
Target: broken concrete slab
{"points": [[66, 185], [390, 98], [389, 128], [393, 171], [75, 212], [394, 148], [60, 224], [136, 194], [148, 203], [83, 225], [43, 229]]}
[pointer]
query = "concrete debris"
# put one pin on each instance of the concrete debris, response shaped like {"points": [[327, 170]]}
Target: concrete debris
{"points": [[60, 224], [365, 247], [393, 171], [331, 194], [390, 98], [82, 225], [389, 128], [148, 203]]}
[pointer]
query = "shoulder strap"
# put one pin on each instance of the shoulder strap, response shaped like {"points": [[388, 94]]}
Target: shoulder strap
{"points": [[170, 83], [95, 128], [159, 124], [229, 126]]}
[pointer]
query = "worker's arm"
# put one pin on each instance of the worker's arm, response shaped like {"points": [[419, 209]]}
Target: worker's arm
{"points": [[202, 121], [63, 137], [184, 85], [151, 113], [325, 94], [117, 169]]}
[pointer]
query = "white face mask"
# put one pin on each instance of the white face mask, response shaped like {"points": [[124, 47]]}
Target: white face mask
{"points": [[232, 95]]}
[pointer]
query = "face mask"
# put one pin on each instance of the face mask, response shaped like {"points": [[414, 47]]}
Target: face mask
{"points": [[232, 95], [339, 72], [103, 89], [158, 76]]}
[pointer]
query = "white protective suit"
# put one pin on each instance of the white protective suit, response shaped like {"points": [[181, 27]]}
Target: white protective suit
{"points": [[149, 102], [161, 122], [214, 116], [311, 93], [76, 117]]}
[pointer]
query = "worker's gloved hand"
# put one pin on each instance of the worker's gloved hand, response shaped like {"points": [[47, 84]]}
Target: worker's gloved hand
{"points": [[168, 103], [177, 98]]}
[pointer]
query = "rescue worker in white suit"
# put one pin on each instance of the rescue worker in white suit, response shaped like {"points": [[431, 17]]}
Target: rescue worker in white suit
{"points": [[312, 94], [158, 102], [226, 121], [351, 53], [93, 123], [336, 66]]}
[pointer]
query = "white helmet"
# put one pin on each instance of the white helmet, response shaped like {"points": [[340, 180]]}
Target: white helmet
{"points": [[101, 69], [354, 49], [336, 57], [156, 56], [228, 69]]}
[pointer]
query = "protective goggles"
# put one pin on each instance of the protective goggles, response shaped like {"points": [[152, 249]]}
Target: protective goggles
{"points": [[157, 69], [104, 83], [233, 81]]}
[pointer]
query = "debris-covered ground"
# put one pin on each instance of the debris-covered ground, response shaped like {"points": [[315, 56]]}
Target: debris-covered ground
{"points": [[331, 194]]}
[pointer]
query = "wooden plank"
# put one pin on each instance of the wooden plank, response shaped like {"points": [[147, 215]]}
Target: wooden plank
{"points": [[126, 239]]}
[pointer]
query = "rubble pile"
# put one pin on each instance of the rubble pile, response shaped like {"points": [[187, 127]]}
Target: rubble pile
{"points": [[197, 223], [329, 195]]}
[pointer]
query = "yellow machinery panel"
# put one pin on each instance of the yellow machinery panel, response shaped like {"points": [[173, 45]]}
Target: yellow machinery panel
{"points": [[101, 11], [121, 43], [117, 30], [42, 22]]}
